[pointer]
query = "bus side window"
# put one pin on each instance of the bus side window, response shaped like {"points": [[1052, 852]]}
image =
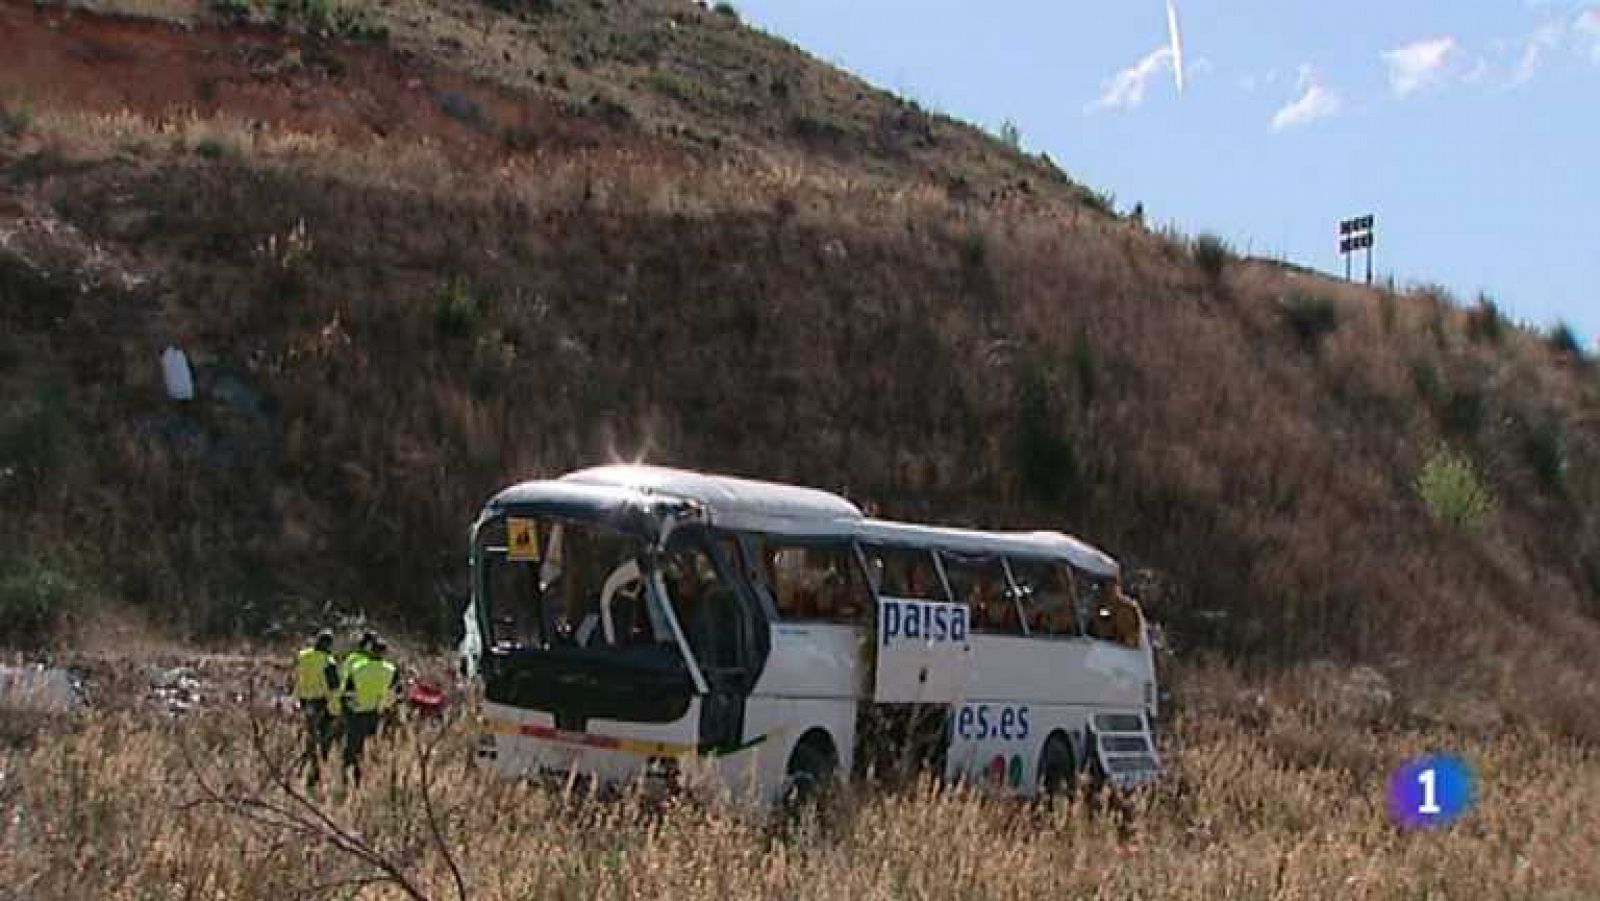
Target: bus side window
{"points": [[1049, 598], [904, 573], [818, 583], [980, 583], [705, 603]]}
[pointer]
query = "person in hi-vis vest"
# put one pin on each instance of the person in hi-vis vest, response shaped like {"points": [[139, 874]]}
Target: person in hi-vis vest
{"points": [[369, 692], [357, 655], [316, 685]]}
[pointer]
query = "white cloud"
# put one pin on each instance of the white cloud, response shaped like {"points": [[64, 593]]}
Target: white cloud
{"points": [[1418, 64], [1125, 90], [1547, 37], [1479, 72], [1316, 101], [1588, 27]]}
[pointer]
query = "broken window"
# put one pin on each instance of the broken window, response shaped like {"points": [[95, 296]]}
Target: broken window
{"points": [[579, 586], [980, 583], [1049, 598], [904, 573]]}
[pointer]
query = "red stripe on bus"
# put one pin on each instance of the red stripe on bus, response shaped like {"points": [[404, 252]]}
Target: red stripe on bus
{"points": [[602, 742]]}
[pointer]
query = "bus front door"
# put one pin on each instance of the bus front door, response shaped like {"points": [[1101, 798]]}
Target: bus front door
{"points": [[922, 652]]}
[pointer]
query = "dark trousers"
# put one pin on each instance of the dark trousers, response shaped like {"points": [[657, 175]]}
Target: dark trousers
{"points": [[358, 727], [319, 736]]}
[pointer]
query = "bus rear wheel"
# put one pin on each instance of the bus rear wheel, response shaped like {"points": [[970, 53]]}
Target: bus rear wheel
{"points": [[1058, 772]]}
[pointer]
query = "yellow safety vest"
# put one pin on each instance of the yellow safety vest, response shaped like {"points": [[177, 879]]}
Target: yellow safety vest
{"points": [[371, 680], [311, 674], [349, 663]]}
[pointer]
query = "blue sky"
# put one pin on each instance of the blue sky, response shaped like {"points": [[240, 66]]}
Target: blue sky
{"points": [[1471, 130]]}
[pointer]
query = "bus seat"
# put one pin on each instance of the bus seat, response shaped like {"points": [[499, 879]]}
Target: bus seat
{"points": [[1125, 619], [1008, 620]]}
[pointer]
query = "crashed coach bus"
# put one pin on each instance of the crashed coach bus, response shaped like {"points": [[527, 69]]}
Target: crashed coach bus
{"points": [[627, 619]]}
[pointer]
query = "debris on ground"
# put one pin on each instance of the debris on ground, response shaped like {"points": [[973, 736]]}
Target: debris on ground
{"points": [[425, 697], [41, 689], [177, 689]]}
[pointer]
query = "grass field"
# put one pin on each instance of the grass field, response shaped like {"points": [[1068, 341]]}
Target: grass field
{"points": [[1267, 798]]}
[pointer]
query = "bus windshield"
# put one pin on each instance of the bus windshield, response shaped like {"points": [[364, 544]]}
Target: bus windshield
{"points": [[567, 585]]}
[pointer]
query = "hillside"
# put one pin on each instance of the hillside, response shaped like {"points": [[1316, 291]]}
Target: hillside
{"points": [[419, 250]]}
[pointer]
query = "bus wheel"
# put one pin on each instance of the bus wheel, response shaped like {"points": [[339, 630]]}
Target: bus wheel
{"points": [[1057, 770], [808, 785]]}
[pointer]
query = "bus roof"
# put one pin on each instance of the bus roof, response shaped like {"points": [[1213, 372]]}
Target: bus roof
{"points": [[617, 506], [734, 503], [756, 506], [1037, 545]]}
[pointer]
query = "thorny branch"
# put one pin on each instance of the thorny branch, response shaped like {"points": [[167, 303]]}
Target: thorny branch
{"points": [[425, 757], [303, 818]]}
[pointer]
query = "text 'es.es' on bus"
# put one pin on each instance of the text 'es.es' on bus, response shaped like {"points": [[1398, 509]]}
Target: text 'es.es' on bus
{"points": [[629, 620]]}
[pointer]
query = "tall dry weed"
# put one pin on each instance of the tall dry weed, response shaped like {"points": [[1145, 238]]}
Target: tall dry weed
{"points": [[107, 809]]}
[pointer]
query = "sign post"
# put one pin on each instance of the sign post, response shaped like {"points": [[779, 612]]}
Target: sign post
{"points": [[1356, 234]]}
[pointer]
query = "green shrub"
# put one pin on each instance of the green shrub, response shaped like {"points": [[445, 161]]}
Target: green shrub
{"points": [[1485, 322], [13, 122], [1546, 451], [357, 24], [1054, 171], [1011, 135], [1564, 341], [35, 600], [535, 7], [729, 10], [609, 109], [34, 435], [455, 314], [816, 131], [1463, 412], [1085, 366], [1211, 254], [1429, 383], [237, 10], [975, 250], [1311, 318], [329, 17], [670, 85], [211, 149], [1047, 461], [1453, 491], [1100, 201]]}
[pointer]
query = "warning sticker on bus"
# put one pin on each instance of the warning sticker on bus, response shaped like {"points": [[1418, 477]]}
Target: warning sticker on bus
{"points": [[522, 539]]}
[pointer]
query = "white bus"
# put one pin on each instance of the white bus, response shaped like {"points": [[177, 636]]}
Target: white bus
{"points": [[626, 619]]}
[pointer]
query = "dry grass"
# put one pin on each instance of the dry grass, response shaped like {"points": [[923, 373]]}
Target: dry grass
{"points": [[1272, 795]]}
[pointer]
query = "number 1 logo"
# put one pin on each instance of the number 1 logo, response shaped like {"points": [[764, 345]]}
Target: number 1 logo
{"points": [[1430, 804], [1430, 791]]}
